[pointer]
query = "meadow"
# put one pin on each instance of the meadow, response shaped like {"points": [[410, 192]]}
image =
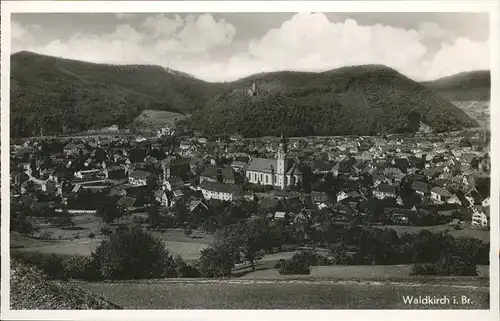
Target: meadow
{"points": [[76, 240], [244, 294], [155, 119]]}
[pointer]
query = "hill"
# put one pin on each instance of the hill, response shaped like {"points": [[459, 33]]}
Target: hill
{"points": [[51, 95], [465, 86], [31, 290], [360, 100]]}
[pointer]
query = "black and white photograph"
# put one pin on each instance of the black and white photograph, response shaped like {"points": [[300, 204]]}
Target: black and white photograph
{"points": [[226, 160]]}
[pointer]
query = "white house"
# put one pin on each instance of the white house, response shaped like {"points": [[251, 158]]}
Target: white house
{"points": [[87, 173], [221, 191], [480, 218], [440, 195], [139, 178], [342, 196]]}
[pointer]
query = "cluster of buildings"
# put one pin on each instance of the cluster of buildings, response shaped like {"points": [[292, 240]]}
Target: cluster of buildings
{"points": [[447, 172]]}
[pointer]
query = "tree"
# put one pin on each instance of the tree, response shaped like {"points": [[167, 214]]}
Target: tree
{"points": [[474, 163], [249, 239], [216, 261], [108, 212], [131, 253], [414, 121], [106, 231], [188, 231]]}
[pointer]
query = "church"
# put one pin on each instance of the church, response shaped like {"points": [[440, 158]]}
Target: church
{"points": [[280, 172]]}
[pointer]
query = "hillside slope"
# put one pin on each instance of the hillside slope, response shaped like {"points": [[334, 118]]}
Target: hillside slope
{"points": [[362, 100], [31, 290], [51, 95], [464, 86]]}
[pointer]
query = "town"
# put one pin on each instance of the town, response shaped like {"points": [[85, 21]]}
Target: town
{"points": [[175, 180]]}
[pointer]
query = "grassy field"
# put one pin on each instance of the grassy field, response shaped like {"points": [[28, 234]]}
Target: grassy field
{"points": [[76, 241], [483, 235], [241, 294], [155, 119], [349, 272]]}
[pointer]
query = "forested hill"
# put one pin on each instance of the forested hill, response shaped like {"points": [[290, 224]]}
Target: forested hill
{"points": [[464, 86], [362, 100], [51, 95]]}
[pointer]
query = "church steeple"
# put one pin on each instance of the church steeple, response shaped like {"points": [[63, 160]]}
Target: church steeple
{"points": [[282, 147], [281, 162]]}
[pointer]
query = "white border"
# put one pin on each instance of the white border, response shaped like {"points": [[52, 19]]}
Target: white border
{"points": [[253, 6]]}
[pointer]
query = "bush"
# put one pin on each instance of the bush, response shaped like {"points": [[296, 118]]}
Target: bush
{"points": [[82, 268], [54, 268], [184, 270], [424, 269], [133, 254], [446, 266], [50, 264], [299, 264], [457, 266]]}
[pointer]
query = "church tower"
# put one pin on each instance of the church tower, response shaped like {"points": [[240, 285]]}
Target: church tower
{"points": [[281, 163], [166, 164]]}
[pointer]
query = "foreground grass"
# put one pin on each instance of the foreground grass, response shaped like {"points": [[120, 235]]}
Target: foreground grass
{"points": [[348, 272], [239, 294]]}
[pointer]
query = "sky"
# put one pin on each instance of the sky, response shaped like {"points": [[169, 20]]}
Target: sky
{"points": [[229, 46]]}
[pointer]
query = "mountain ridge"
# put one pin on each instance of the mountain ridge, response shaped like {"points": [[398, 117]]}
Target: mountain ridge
{"points": [[464, 86], [58, 95]]}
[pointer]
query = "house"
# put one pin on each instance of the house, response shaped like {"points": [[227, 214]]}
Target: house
{"points": [[87, 174], [440, 195], [161, 197], [318, 197], [239, 166], [481, 218], [213, 174], [393, 172], [321, 167], [279, 216], [421, 188], [384, 191], [197, 207], [126, 202], [173, 184], [114, 172], [342, 196], [402, 216], [459, 199], [140, 177], [221, 191], [473, 196], [74, 149]]}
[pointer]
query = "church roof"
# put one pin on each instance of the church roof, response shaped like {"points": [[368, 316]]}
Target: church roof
{"points": [[263, 165], [294, 170]]}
